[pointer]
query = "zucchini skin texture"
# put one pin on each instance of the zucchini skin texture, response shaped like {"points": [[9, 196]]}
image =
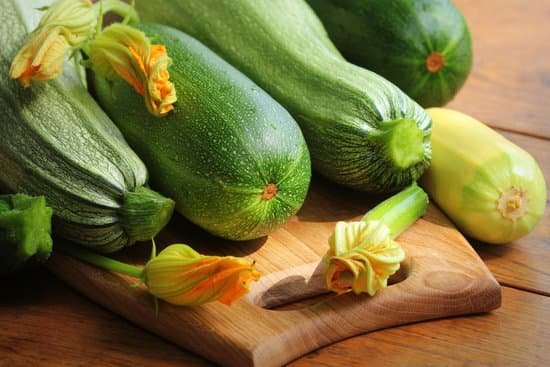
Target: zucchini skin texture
{"points": [[283, 47], [220, 147], [493, 190], [57, 142], [394, 39]]}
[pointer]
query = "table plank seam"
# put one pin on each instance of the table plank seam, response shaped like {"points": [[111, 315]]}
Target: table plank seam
{"points": [[528, 134], [525, 289]]}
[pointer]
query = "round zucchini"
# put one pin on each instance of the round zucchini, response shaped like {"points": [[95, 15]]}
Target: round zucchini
{"points": [[423, 46], [231, 157]]}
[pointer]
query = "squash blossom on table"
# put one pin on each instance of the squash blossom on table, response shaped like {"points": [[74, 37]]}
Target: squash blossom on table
{"points": [[180, 275], [125, 52], [67, 25], [363, 254]]}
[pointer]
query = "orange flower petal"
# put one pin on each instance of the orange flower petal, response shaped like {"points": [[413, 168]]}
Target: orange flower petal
{"points": [[130, 54], [181, 276], [66, 24], [362, 256]]}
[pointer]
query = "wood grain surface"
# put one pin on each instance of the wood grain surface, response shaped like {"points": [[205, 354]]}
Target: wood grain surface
{"points": [[441, 277], [509, 87], [517, 334], [45, 323]]}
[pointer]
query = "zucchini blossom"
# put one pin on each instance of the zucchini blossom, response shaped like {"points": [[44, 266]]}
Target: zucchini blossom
{"points": [[180, 275], [66, 26], [363, 255], [121, 51]]}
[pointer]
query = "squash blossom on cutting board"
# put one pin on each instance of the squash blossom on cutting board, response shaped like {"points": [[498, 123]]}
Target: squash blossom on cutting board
{"points": [[493, 190], [363, 255], [180, 275]]}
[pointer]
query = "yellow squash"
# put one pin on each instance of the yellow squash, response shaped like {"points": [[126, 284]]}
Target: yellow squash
{"points": [[493, 190]]}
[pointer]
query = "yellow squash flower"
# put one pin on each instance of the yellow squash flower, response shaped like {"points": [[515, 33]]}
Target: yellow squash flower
{"points": [[182, 276], [362, 256], [66, 25], [125, 52]]}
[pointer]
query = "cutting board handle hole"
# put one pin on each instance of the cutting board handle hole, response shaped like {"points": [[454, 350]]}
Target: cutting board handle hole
{"points": [[302, 287]]}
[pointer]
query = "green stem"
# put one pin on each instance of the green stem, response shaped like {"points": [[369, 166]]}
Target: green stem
{"points": [[400, 211], [98, 260], [402, 142], [123, 9], [144, 213]]}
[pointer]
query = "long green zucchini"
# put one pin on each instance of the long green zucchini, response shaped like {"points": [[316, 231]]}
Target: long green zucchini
{"points": [[57, 142], [233, 159], [423, 46], [361, 130]]}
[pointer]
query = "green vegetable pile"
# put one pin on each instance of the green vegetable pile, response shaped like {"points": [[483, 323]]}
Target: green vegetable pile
{"points": [[113, 127]]}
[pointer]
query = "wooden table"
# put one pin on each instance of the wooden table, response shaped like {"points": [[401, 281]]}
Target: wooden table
{"points": [[45, 323]]}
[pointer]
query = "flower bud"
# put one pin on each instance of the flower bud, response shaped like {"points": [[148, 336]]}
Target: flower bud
{"points": [[362, 256], [121, 51], [66, 25], [182, 276]]}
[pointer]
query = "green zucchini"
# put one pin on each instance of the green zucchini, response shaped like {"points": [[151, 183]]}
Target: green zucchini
{"points": [[25, 231], [57, 142], [232, 158], [423, 46], [361, 130]]}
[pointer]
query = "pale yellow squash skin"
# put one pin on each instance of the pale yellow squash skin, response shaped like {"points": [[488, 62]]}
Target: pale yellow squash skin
{"points": [[493, 190]]}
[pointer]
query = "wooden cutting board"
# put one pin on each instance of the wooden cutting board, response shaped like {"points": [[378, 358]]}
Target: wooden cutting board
{"points": [[442, 276]]}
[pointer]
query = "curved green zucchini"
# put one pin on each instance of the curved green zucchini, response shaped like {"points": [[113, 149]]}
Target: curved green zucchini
{"points": [[423, 46], [57, 142], [233, 159], [361, 130]]}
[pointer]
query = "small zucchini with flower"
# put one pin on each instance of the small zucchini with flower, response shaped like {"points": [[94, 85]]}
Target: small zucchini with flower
{"points": [[231, 157], [57, 142], [180, 275], [25, 231], [363, 255], [493, 190]]}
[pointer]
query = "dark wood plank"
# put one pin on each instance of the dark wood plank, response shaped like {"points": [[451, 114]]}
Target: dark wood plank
{"points": [[510, 84], [524, 263], [515, 335], [45, 323]]}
